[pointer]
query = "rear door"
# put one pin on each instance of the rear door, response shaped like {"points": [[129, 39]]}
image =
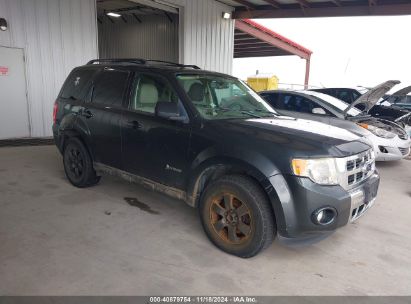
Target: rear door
{"points": [[101, 115], [154, 147]]}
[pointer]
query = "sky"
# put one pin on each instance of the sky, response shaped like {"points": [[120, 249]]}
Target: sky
{"points": [[347, 51]]}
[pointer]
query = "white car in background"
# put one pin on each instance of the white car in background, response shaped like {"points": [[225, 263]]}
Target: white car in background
{"points": [[389, 140], [389, 107]]}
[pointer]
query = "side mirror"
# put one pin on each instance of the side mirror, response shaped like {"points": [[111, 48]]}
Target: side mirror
{"points": [[169, 110], [318, 111]]}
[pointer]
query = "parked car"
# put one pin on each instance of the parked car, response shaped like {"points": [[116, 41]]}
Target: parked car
{"points": [[379, 109], [210, 140], [400, 99], [389, 140]]}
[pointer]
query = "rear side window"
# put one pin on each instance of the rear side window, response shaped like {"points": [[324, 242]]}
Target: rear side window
{"points": [[109, 87], [77, 84]]}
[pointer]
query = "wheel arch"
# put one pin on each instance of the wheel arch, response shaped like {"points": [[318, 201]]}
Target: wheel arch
{"points": [[70, 126], [67, 134], [215, 167]]}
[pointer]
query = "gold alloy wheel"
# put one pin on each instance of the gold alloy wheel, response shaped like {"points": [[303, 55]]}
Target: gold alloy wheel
{"points": [[231, 219]]}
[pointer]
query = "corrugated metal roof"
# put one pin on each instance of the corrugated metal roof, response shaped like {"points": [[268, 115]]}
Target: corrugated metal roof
{"points": [[276, 35], [317, 2], [316, 8], [252, 39]]}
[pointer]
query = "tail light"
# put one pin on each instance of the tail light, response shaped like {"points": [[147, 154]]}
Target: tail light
{"points": [[55, 109]]}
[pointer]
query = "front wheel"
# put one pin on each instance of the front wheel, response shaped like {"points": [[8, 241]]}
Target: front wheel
{"points": [[78, 164], [236, 216]]}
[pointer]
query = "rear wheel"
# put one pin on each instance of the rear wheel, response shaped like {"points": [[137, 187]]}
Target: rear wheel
{"points": [[236, 216], [78, 165]]}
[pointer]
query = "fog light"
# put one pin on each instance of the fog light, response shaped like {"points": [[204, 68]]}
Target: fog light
{"points": [[320, 216], [382, 149], [324, 216]]}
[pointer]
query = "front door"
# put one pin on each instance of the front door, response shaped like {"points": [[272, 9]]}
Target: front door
{"points": [[154, 147], [14, 117]]}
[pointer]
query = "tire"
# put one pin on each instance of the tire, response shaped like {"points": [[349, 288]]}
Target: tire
{"points": [[78, 164], [236, 216]]}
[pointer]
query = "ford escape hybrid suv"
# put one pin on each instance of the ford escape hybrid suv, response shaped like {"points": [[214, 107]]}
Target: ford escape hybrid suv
{"points": [[210, 140]]}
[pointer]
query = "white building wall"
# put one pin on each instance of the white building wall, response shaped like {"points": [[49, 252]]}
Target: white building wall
{"points": [[207, 39], [56, 36]]}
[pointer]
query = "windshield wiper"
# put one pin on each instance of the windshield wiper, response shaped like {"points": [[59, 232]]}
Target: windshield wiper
{"points": [[267, 112], [249, 112]]}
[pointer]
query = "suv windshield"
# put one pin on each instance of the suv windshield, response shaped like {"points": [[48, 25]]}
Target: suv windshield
{"points": [[218, 97]]}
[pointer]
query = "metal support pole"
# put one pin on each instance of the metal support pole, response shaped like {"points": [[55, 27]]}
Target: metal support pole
{"points": [[307, 72]]}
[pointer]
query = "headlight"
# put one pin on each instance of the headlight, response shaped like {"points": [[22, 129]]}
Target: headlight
{"points": [[322, 171], [378, 131]]}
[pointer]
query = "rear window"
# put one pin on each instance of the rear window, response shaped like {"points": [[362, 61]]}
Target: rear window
{"points": [[77, 84], [109, 87]]}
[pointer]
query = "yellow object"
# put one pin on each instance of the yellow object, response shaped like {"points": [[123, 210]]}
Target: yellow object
{"points": [[263, 82]]}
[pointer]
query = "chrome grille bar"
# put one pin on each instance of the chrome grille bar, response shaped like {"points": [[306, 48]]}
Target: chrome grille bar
{"points": [[355, 169]]}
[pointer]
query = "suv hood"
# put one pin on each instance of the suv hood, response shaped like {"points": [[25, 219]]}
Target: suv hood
{"points": [[298, 135], [370, 98]]}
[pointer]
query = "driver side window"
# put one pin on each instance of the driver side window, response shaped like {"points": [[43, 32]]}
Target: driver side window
{"points": [[148, 91], [296, 103]]}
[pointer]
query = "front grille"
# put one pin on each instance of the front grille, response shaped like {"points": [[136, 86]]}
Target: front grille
{"points": [[350, 165], [404, 151], [358, 168], [360, 210]]}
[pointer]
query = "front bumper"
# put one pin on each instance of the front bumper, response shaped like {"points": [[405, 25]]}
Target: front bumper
{"points": [[300, 198], [389, 149]]}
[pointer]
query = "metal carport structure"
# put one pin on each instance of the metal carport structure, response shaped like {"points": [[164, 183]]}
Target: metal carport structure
{"points": [[251, 39], [317, 8]]}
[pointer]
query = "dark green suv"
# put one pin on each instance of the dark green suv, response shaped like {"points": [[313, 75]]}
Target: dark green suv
{"points": [[208, 139]]}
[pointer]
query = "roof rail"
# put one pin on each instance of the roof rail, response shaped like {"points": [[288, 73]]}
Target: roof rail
{"points": [[175, 64], [125, 60], [142, 61]]}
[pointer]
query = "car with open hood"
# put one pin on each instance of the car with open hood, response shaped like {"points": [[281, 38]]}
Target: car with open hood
{"points": [[208, 139], [375, 106], [390, 141], [400, 100]]}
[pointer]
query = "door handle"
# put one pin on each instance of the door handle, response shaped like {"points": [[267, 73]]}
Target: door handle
{"points": [[134, 124], [87, 113]]}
